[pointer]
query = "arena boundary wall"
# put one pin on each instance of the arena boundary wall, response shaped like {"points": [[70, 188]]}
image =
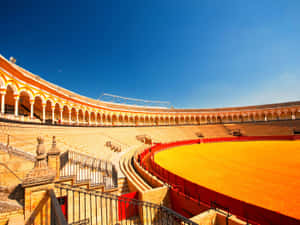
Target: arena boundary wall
{"points": [[185, 192]]}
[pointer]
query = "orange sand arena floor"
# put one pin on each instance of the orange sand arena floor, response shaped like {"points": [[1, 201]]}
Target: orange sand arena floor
{"points": [[264, 173]]}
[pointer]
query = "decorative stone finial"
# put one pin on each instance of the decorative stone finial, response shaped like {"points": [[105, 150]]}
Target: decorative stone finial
{"points": [[40, 154], [40, 149], [40, 173], [54, 150]]}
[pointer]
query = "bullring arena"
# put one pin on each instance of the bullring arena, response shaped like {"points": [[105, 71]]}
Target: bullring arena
{"points": [[69, 159]]}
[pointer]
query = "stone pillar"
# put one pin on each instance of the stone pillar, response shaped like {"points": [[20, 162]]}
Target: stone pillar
{"points": [[53, 114], [16, 98], [2, 102], [70, 117], [44, 112], [54, 159], [61, 115], [88, 118], [37, 183], [77, 117], [31, 108]]}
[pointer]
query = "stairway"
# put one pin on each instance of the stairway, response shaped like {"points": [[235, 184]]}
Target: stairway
{"points": [[86, 169]]}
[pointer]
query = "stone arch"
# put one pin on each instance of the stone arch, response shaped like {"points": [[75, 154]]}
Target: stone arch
{"points": [[13, 87], [151, 120], [120, 118], [176, 120], [48, 111], [92, 117], [257, 117], [108, 118], [297, 114], [156, 120], [24, 107], [114, 119], [129, 118], [73, 115], [65, 113], [218, 119], [213, 119], [98, 117], [136, 119], [198, 119], [80, 115], [267, 116], [251, 117], [86, 116], [41, 96], [182, 120], [9, 99], [142, 120], [27, 91], [147, 120], [245, 117], [235, 118], [172, 121], [161, 120], [104, 118], [286, 115], [126, 119], [38, 107], [57, 112]]}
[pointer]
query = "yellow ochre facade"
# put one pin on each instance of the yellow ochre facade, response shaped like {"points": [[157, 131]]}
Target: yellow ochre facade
{"points": [[27, 97]]}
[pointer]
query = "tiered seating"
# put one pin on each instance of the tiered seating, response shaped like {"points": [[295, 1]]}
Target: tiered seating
{"points": [[266, 128]]}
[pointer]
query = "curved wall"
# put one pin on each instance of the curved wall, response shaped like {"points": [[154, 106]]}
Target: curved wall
{"points": [[27, 97], [195, 193]]}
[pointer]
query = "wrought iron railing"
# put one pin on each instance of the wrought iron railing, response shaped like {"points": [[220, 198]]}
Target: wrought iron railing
{"points": [[57, 216], [95, 207]]}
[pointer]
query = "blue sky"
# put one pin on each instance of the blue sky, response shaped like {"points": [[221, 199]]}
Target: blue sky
{"points": [[195, 54]]}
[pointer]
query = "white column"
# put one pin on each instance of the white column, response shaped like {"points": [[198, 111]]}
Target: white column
{"points": [[53, 110], [3, 103], [70, 117], [61, 115], [31, 109], [83, 117], [293, 116], [77, 119], [44, 112], [16, 105]]}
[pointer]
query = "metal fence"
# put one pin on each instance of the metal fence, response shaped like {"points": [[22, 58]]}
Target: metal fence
{"points": [[93, 207]]}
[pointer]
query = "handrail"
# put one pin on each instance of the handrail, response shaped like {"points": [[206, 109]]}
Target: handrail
{"points": [[131, 201], [5, 166], [57, 216]]}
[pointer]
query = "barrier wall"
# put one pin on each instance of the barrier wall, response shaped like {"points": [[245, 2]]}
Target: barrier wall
{"points": [[206, 197]]}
